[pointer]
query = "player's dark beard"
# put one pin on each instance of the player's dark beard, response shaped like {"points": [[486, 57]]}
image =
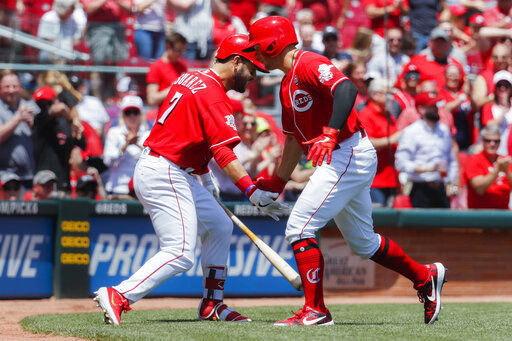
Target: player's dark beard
{"points": [[431, 114], [240, 81]]}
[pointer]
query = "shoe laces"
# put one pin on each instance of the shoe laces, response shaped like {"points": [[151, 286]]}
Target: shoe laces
{"points": [[125, 306], [298, 314]]}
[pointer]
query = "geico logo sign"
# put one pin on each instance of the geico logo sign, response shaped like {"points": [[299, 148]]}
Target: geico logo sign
{"points": [[17, 253], [122, 255], [302, 100]]}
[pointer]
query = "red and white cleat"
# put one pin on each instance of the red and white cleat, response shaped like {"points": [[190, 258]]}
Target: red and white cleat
{"points": [[112, 303], [307, 316], [214, 310], [430, 292]]}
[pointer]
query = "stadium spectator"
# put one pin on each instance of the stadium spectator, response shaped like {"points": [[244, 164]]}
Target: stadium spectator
{"points": [[304, 17], [389, 63], [61, 27], [16, 120], [166, 70], [478, 50], [331, 45], [425, 153], [44, 186], [488, 174], [483, 86], [194, 21], [323, 11], [150, 28], [275, 7], [459, 104], [499, 112], [10, 187], [407, 87], [89, 186], [380, 126], [432, 63], [60, 84], [123, 145], [412, 114], [356, 72], [244, 9], [125, 86], [224, 24], [306, 33], [377, 10], [457, 39], [499, 16], [423, 18], [105, 32], [53, 138], [90, 109]]}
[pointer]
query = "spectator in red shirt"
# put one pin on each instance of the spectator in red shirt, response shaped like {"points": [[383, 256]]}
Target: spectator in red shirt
{"points": [[44, 186], [408, 87], [105, 33], [489, 175], [433, 62], [225, 25], [166, 69], [499, 112], [356, 71], [459, 104], [376, 11], [384, 135], [483, 86], [411, 114], [499, 16]]}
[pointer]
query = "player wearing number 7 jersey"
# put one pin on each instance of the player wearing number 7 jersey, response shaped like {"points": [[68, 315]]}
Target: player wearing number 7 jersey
{"points": [[195, 123], [319, 119]]}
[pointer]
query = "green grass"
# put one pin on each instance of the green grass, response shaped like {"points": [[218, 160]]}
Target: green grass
{"points": [[458, 321]]}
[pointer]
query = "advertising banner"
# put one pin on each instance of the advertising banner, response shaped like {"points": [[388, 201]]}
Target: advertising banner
{"points": [[120, 245], [26, 256]]}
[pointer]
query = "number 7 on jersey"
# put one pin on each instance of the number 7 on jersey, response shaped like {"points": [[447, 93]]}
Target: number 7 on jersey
{"points": [[172, 104]]}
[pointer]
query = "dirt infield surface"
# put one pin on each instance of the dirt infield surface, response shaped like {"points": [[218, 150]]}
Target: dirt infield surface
{"points": [[15, 310]]}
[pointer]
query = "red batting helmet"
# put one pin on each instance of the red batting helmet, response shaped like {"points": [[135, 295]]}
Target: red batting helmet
{"points": [[273, 34], [236, 45]]}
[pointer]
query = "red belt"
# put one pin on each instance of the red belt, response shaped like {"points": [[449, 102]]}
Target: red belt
{"points": [[155, 154]]}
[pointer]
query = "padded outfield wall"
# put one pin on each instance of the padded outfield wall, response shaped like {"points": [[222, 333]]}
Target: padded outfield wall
{"points": [[69, 248]]}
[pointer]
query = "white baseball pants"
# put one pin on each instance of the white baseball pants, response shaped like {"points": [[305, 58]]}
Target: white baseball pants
{"points": [[180, 208], [340, 191]]}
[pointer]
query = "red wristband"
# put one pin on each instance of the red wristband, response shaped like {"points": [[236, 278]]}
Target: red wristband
{"points": [[246, 185]]}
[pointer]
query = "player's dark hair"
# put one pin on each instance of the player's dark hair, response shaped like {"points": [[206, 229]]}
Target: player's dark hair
{"points": [[225, 60], [175, 38]]}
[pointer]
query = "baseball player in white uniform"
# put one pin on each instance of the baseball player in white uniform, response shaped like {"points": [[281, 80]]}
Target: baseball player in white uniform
{"points": [[194, 124], [319, 119]]}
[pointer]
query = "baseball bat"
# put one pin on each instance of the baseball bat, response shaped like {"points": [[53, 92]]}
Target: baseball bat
{"points": [[277, 261]]}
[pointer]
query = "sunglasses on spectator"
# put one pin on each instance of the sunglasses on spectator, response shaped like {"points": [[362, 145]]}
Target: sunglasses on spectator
{"points": [[132, 112], [395, 39], [331, 38], [252, 124], [492, 140], [11, 186]]}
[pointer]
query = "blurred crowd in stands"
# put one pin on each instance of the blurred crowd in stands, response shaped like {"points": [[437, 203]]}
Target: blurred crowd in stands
{"points": [[434, 80]]}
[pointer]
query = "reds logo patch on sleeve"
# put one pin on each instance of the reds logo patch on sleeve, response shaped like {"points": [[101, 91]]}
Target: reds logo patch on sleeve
{"points": [[325, 73], [230, 121]]}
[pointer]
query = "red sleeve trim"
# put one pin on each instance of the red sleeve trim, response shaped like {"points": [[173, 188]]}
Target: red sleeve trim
{"points": [[337, 82]]}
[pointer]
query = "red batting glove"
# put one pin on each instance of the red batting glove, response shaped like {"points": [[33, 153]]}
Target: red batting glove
{"points": [[321, 145], [274, 185]]}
